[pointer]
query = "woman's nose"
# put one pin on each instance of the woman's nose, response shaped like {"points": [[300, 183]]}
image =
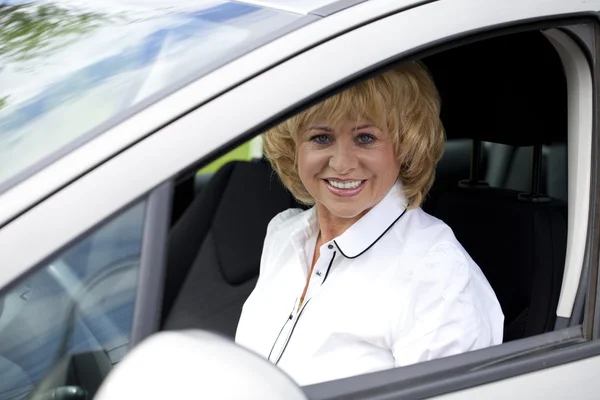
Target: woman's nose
{"points": [[343, 160]]}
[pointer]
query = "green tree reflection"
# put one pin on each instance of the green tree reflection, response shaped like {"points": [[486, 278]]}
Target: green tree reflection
{"points": [[28, 30]]}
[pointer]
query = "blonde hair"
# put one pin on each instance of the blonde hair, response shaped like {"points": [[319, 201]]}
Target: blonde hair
{"points": [[404, 101]]}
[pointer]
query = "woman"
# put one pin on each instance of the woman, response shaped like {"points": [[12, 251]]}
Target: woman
{"points": [[364, 280]]}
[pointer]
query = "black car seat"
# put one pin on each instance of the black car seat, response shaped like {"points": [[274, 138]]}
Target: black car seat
{"points": [[215, 247], [509, 90], [453, 167]]}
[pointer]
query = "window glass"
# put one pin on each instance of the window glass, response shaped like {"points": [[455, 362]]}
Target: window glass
{"points": [[69, 66], [69, 322]]}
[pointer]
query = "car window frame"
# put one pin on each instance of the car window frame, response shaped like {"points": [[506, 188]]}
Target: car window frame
{"points": [[437, 377], [475, 368], [593, 294], [153, 259]]}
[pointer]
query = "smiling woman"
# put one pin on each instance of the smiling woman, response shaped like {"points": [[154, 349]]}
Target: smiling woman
{"points": [[388, 284], [347, 170], [330, 161], [400, 101]]}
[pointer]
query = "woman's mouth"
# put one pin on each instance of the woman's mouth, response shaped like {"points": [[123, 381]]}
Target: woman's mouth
{"points": [[346, 187]]}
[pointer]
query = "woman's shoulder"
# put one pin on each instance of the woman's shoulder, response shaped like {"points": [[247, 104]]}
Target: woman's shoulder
{"points": [[283, 225], [443, 269], [433, 251], [286, 219], [426, 234], [279, 231]]}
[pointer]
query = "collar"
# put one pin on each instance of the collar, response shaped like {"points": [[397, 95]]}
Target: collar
{"points": [[365, 232]]}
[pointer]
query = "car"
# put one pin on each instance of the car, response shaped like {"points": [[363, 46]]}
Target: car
{"points": [[134, 196]]}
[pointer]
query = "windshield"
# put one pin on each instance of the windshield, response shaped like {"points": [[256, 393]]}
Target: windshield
{"points": [[66, 67]]}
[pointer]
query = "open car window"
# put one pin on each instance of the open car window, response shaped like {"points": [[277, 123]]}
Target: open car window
{"points": [[511, 213]]}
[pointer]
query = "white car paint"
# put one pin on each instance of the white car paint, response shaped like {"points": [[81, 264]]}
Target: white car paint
{"points": [[575, 380], [106, 189]]}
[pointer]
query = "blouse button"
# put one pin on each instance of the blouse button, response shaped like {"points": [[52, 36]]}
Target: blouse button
{"points": [[330, 247]]}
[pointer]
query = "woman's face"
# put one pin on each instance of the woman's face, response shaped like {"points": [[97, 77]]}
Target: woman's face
{"points": [[347, 168]]}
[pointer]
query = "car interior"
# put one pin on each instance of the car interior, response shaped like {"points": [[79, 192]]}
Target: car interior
{"points": [[501, 186]]}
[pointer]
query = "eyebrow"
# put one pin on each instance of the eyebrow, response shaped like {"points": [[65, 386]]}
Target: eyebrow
{"points": [[362, 127], [329, 130], [321, 128]]}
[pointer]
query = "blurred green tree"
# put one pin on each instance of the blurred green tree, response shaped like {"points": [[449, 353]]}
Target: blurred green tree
{"points": [[29, 29]]}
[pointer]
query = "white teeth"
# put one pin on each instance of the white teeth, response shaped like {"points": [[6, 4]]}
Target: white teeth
{"points": [[344, 185]]}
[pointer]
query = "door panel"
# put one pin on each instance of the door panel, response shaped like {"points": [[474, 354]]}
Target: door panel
{"points": [[575, 380]]}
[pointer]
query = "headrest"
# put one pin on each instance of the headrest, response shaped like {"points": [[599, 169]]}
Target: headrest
{"points": [[509, 90], [253, 196]]}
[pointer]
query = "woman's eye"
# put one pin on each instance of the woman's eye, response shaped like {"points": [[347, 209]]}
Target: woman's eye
{"points": [[365, 138], [320, 139]]}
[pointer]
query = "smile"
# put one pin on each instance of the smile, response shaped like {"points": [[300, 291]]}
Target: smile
{"points": [[346, 188], [344, 184]]}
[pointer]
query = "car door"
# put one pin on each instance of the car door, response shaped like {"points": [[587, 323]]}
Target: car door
{"points": [[317, 72]]}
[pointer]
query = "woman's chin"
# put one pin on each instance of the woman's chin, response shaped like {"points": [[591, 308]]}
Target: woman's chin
{"points": [[346, 212]]}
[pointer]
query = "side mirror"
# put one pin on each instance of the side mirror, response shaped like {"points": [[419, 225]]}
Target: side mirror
{"points": [[195, 364]]}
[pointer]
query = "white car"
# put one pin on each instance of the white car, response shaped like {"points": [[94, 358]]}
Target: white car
{"points": [[109, 234]]}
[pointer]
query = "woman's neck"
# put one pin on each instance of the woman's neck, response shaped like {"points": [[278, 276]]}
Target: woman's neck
{"points": [[332, 226]]}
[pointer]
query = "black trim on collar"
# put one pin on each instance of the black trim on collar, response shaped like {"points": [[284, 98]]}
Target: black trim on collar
{"points": [[376, 240], [329, 267]]}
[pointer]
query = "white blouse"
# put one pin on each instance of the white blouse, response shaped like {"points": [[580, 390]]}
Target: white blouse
{"points": [[394, 289]]}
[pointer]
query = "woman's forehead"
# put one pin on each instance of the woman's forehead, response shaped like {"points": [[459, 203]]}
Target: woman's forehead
{"points": [[341, 114]]}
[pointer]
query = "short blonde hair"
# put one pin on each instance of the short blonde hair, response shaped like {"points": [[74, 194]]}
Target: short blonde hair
{"points": [[403, 101]]}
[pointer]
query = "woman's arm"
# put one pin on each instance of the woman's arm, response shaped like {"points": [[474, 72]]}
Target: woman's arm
{"points": [[453, 309]]}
